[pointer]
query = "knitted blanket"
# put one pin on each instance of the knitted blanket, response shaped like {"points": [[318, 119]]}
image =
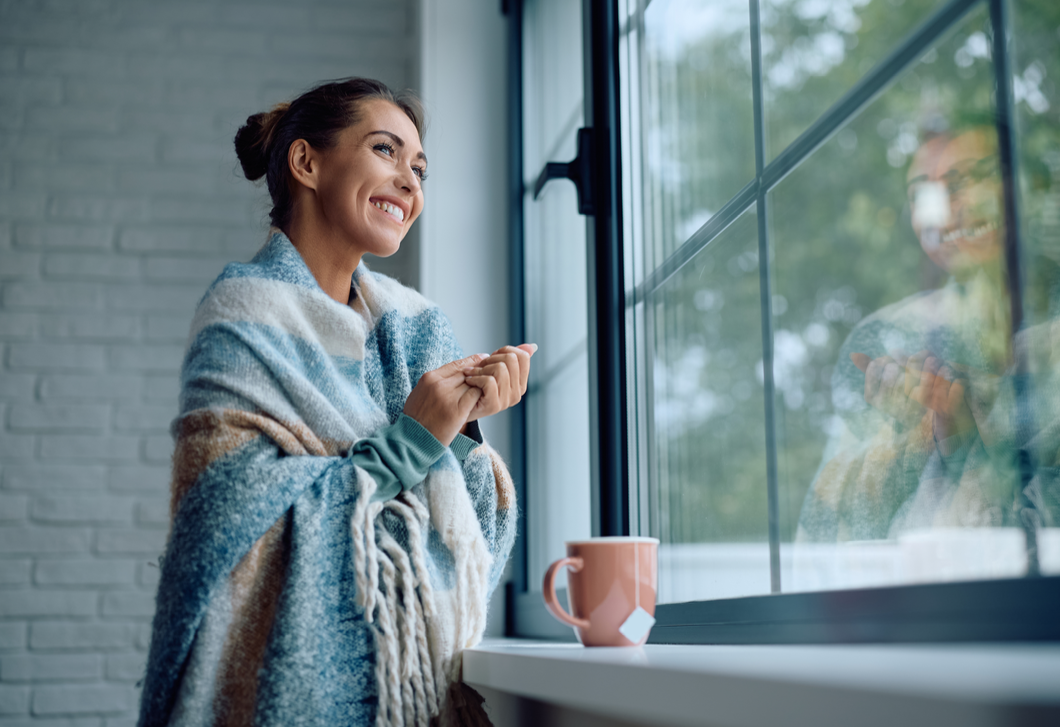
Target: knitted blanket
{"points": [[287, 595]]}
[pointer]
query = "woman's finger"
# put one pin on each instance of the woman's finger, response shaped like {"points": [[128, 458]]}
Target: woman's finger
{"points": [[489, 403], [510, 386], [500, 371], [925, 390], [955, 398], [873, 375], [943, 388], [456, 368], [932, 365], [469, 397], [891, 380], [919, 357], [523, 357], [913, 367], [503, 375]]}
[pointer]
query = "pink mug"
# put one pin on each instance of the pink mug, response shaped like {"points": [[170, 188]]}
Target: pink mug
{"points": [[611, 588]]}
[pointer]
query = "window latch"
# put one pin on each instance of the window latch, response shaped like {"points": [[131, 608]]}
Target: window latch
{"points": [[578, 170]]}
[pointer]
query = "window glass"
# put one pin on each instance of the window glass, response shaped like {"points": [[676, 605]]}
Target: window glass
{"points": [[1036, 91], [897, 386], [707, 423], [696, 115], [552, 82], [557, 398], [915, 430], [913, 425], [813, 51]]}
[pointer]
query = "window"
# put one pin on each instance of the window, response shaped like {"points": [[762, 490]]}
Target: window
{"points": [[556, 303], [836, 228]]}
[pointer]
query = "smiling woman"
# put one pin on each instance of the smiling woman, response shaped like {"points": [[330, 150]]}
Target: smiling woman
{"points": [[338, 522]]}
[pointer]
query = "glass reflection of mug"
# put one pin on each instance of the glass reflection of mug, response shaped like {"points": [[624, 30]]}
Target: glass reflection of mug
{"points": [[611, 588]]}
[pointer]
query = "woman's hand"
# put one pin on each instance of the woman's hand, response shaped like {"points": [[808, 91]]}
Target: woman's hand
{"points": [[905, 386], [443, 400], [502, 379], [888, 383]]}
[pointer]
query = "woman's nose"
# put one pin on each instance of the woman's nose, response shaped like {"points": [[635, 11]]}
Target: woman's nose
{"points": [[931, 205], [408, 180]]}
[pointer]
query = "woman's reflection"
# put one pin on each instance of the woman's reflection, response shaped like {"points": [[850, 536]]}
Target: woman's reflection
{"points": [[926, 435]]}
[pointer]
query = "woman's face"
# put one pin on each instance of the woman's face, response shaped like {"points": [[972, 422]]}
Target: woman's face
{"points": [[955, 192], [370, 180]]}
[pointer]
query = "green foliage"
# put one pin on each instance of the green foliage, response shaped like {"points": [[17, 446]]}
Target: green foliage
{"points": [[841, 244]]}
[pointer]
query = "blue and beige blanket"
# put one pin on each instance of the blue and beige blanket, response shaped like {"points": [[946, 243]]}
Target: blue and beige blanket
{"points": [[287, 595]]}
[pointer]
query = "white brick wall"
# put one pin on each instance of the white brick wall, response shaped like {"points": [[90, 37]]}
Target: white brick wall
{"points": [[120, 199]]}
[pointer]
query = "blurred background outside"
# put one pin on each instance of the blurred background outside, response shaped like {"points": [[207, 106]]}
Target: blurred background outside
{"points": [[885, 250]]}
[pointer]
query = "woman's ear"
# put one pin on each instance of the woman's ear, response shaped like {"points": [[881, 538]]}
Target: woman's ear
{"points": [[303, 163]]}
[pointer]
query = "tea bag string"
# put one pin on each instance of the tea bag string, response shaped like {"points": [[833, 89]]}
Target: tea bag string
{"points": [[636, 573]]}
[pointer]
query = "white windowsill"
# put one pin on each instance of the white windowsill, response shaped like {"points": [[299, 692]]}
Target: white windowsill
{"points": [[746, 686]]}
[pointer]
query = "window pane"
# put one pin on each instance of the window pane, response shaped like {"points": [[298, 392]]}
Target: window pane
{"points": [[1036, 71], [552, 82], [557, 398], [696, 116], [707, 429], [558, 467], [813, 51], [897, 395]]}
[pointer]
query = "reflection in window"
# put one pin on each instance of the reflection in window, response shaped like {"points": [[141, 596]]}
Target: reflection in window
{"points": [[916, 431], [900, 414]]}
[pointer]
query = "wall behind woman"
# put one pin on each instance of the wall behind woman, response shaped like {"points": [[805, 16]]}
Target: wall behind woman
{"points": [[120, 200], [464, 227]]}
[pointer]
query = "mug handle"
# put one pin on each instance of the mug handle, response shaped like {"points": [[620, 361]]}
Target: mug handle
{"points": [[551, 602]]}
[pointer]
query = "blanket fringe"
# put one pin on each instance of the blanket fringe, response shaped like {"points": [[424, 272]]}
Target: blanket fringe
{"points": [[418, 685]]}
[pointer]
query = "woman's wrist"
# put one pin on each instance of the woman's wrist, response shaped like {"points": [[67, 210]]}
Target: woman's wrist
{"points": [[468, 440]]}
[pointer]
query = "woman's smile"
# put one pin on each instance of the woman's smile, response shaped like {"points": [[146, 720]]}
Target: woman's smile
{"points": [[392, 208]]}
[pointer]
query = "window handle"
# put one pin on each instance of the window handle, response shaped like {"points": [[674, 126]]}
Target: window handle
{"points": [[578, 170]]}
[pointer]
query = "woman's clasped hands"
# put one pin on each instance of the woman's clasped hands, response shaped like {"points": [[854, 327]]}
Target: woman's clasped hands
{"points": [[908, 387], [452, 396]]}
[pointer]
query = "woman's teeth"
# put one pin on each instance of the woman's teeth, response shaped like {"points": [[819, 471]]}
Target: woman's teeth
{"points": [[391, 209], [969, 233]]}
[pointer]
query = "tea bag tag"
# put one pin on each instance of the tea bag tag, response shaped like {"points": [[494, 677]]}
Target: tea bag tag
{"points": [[637, 625]]}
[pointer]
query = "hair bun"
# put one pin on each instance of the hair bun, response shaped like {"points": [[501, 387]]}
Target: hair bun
{"points": [[254, 139]]}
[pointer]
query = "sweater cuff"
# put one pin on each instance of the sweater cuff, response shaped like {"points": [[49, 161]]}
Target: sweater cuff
{"points": [[423, 449], [463, 445]]}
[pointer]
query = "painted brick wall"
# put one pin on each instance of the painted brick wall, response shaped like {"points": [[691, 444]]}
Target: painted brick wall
{"points": [[120, 199]]}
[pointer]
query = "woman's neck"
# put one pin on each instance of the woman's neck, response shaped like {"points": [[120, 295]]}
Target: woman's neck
{"points": [[330, 262]]}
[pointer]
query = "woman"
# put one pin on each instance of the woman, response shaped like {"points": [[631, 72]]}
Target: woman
{"points": [[337, 521], [932, 429]]}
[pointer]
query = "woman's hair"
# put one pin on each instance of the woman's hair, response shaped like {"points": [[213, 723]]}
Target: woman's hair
{"points": [[317, 116]]}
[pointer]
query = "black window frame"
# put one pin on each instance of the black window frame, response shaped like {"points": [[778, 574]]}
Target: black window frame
{"points": [[1012, 609]]}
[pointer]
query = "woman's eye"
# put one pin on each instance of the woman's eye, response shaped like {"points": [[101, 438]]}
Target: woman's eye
{"points": [[385, 148], [420, 172]]}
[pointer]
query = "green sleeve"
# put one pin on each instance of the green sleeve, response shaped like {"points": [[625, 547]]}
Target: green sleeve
{"points": [[397, 457], [463, 444]]}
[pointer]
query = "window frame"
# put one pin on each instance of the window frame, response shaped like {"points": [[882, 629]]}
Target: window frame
{"points": [[1015, 609]]}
